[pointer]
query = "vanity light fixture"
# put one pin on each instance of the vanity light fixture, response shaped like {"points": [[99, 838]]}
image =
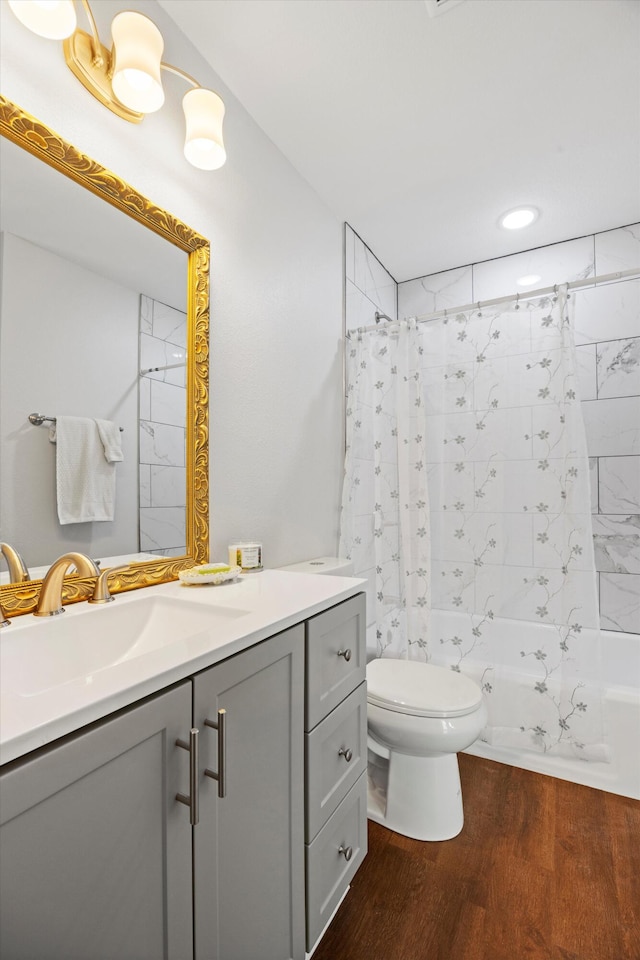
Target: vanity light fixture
{"points": [[54, 19], [127, 78], [518, 218]]}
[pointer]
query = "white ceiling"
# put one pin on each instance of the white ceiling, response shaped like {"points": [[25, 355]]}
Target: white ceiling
{"points": [[52, 211], [420, 131]]}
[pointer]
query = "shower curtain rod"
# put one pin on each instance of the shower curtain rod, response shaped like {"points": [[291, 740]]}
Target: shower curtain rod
{"points": [[540, 292]]}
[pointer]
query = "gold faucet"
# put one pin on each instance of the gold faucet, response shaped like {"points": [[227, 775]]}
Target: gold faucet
{"points": [[101, 590], [50, 599], [17, 568]]}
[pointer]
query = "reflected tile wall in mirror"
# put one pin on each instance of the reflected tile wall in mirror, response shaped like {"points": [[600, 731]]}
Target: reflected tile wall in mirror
{"points": [[163, 404]]}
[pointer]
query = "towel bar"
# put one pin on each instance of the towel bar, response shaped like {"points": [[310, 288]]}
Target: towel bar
{"points": [[37, 419]]}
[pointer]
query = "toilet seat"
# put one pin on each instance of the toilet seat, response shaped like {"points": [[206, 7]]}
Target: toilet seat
{"points": [[421, 689]]}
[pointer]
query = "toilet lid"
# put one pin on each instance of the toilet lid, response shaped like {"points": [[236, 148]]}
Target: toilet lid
{"points": [[421, 689]]}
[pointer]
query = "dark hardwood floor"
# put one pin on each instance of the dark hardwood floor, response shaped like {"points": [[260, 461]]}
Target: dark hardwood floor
{"points": [[543, 870]]}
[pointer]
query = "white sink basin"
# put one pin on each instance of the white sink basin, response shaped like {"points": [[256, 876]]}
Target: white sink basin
{"points": [[42, 654]]}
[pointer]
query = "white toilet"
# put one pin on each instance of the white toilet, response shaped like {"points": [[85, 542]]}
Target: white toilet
{"points": [[333, 566], [419, 716]]}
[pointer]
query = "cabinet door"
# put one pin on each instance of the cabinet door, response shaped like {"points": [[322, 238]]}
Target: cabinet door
{"points": [[249, 844], [95, 851]]}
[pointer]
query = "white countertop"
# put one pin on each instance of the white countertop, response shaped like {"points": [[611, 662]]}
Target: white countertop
{"points": [[35, 713]]}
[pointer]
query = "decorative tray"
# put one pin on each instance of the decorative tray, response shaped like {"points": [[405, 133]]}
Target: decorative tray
{"points": [[207, 573]]}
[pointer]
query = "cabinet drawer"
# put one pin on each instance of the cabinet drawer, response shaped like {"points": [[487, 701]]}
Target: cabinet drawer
{"points": [[329, 873], [336, 658], [336, 755]]}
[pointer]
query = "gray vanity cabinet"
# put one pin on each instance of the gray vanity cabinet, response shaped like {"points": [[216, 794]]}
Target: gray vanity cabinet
{"points": [[335, 758], [95, 853], [99, 860], [249, 843]]}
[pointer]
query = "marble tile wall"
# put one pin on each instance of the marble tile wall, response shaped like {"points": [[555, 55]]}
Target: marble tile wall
{"points": [[368, 286], [607, 334], [162, 405]]}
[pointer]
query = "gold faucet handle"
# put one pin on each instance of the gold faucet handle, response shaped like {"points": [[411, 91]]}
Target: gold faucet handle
{"points": [[101, 590]]}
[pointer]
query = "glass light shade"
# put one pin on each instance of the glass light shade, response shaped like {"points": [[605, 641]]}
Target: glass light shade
{"points": [[54, 19], [137, 47], [518, 218], [203, 145]]}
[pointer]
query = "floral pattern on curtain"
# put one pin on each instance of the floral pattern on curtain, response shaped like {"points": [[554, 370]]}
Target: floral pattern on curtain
{"points": [[385, 517], [467, 506]]}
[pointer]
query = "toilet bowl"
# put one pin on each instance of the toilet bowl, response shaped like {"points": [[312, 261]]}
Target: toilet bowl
{"points": [[419, 716]]}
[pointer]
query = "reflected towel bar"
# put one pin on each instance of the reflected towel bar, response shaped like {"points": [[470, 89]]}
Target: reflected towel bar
{"points": [[167, 366], [37, 419]]}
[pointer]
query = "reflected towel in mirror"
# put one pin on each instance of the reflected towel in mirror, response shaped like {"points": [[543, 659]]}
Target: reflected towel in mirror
{"points": [[85, 478]]}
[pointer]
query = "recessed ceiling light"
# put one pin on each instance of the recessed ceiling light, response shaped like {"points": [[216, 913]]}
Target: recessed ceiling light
{"points": [[528, 280], [518, 218]]}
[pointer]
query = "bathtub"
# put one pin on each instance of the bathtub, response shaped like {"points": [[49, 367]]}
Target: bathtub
{"points": [[620, 673]]}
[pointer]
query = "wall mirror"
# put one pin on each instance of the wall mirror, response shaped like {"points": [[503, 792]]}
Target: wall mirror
{"points": [[104, 313]]}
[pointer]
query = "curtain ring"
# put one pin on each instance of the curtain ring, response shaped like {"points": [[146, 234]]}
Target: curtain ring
{"points": [[517, 306], [479, 310]]}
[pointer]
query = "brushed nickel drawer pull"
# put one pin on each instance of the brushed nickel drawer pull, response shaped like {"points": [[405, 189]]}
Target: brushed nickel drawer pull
{"points": [[192, 800], [347, 852], [221, 775], [345, 653], [346, 753]]}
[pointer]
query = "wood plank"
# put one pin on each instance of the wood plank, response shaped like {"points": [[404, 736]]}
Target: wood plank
{"points": [[623, 819], [543, 870], [585, 915]]}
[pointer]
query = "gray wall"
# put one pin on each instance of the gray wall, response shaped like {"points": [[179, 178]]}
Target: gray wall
{"points": [[70, 319], [276, 289]]}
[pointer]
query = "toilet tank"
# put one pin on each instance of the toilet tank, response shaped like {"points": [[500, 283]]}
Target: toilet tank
{"points": [[336, 566]]}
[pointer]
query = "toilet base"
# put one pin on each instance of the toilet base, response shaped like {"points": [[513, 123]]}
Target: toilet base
{"points": [[424, 796]]}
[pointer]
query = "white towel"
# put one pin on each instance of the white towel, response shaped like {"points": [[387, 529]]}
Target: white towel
{"points": [[110, 436], [85, 479]]}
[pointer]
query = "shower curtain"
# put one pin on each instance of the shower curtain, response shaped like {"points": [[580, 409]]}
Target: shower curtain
{"points": [[466, 504]]}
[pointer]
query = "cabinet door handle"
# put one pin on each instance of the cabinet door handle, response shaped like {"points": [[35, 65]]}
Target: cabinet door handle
{"points": [[347, 852], [221, 775], [192, 800], [345, 653], [346, 753]]}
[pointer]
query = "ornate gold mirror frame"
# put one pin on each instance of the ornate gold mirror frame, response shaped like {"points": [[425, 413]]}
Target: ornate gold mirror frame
{"points": [[39, 140]]}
